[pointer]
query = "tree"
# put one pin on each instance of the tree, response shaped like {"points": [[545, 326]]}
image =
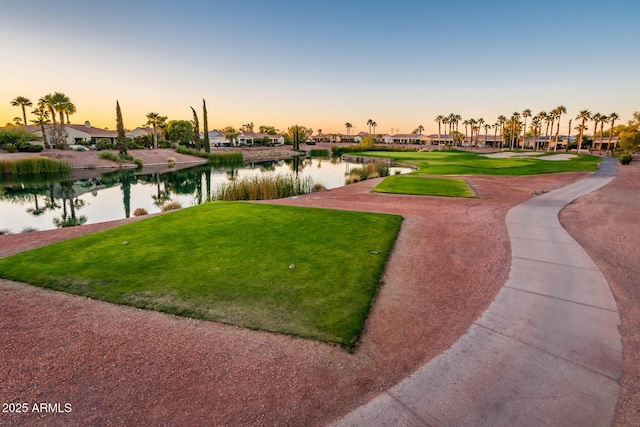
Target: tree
{"points": [[603, 119], [584, 115], [535, 130], [613, 117], [559, 111], [156, 121], [70, 110], [296, 134], [17, 122], [439, 119], [348, 126], [515, 120], [42, 119], [596, 120], [196, 131], [269, 130], [369, 123], [367, 142], [373, 125], [180, 131], [466, 124], [629, 140], [207, 143], [61, 103], [525, 115], [122, 139], [47, 102], [420, 128], [231, 134], [486, 126], [502, 120], [21, 101]]}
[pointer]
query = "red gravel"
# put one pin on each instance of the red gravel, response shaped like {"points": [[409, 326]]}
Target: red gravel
{"points": [[121, 366], [605, 223]]}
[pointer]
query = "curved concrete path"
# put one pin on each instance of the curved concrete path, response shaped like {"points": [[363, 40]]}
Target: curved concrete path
{"points": [[547, 351]]}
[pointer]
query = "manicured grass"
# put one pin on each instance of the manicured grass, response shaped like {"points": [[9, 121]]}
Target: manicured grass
{"points": [[450, 187], [465, 163], [230, 262]]}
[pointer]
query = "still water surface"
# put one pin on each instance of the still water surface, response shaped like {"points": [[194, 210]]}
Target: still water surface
{"points": [[106, 197]]}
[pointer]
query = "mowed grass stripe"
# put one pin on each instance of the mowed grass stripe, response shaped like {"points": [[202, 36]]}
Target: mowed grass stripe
{"points": [[407, 184], [229, 262]]}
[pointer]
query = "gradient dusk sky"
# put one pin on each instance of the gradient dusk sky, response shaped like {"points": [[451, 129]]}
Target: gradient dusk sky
{"points": [[322, 63]]}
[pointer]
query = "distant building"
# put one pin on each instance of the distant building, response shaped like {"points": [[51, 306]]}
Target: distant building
{"points": [[403, 138], [77, 133], [253, 139]]}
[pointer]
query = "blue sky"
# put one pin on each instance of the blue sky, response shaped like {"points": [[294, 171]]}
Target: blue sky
{"points": [[321, 64]]}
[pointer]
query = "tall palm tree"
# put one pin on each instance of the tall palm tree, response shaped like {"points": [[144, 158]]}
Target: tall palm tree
{"points": [[420, 128], [596, 120], [47, 102], [21, 101], [568, 136], [584, 116], [445, 121], [603, 119], [496, 126], [486, 127], [42, 119], [613, 117], [525, 114], [560, 110], [479, 124], [348, 126], [457, 119], [70, 110], [515, 117], [535, 126], [60, 103], [502, 120], [373, 125], [369, 123], [439, 119], [155, 120], [466, 124], [547, 120]]}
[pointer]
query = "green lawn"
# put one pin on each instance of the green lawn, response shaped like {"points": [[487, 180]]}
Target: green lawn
{"points": [[466, 163], [407, 184], [229, 262]]}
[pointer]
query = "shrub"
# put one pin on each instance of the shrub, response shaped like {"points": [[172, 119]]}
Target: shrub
{"points": [[370, 171], [33, 165], [317, 187], [140, 212], [625, 159], [164, 144], [10, 148], [25, 147], [104, 144], [29, 230], [108, 155], [138, 162], [319, 152], [60, 145], [352, 179], [171, 160], [171, 206], [4, 231]]}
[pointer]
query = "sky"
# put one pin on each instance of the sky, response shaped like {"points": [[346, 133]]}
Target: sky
{"points": [[321, 64]]}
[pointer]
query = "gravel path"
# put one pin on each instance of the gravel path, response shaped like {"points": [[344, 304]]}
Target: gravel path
{"points": [[121, 366]]}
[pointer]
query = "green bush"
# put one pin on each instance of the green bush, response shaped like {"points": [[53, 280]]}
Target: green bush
{"points": [[319, 152], [337, 151], [625, 159], [164, 144], [108, 155], [33, 165], [371, 170], [10, 148], [138, 162], [104, 144], [264, 187]]}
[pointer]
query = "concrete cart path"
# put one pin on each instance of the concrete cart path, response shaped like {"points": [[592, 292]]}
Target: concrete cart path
{"points": [[547, 351]]}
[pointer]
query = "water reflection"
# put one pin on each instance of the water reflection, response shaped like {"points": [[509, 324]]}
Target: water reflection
{"points": [[83, 198]]}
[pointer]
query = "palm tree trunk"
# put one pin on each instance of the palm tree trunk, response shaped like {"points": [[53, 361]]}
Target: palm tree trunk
{"points": [[24, 115]]}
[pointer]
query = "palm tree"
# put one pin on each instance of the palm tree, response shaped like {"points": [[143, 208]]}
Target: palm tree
{"points": [[439, 119], [479, 124], [547, 119], [486, 127], [515, 117], [47, 102], [560, 110], [457, 118], [569, 136], [420, 128], [42, 119], [348, 126], [613, 117], [60, 102], [525, 114], [596, 119], [70, 110], [21, 101], [584, 116], [445, 121], [496, 126], [501, 121], [369, 123], [466, 123], [603, 119], [373, 125], [535, 125], [156, 120]]}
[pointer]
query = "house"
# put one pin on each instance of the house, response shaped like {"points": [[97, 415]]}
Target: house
{"points": [[435, 139], [252, 139], [77, 133], [403, 138], [326, 137], [217, 139], [138, 132]]}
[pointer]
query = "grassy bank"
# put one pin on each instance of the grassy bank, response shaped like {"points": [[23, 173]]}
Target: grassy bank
{"points": [[423, 186], [306, 272], [222, 158], [465, 163], [263, 187]]}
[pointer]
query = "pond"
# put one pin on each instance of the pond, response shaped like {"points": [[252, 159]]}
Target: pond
{"points": [[91, 197]]}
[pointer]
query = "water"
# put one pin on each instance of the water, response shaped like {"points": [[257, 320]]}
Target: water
{"points": [[91, 197]]}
